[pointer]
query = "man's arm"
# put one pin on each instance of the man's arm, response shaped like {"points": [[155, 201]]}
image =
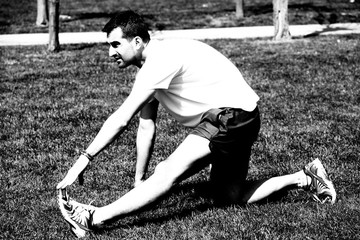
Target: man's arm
{"points": [[119, 120], [111, 129], [145, 139]]}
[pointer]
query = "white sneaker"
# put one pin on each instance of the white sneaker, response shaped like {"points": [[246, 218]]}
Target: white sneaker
{"points": [[321, 186], [79, 216]]}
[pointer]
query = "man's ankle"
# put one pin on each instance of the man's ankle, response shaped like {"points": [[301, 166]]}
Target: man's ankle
{"points": [[304, 181], [96, 219]]}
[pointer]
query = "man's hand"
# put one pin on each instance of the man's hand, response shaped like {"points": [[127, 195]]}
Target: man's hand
{"points": [[74, 172]]}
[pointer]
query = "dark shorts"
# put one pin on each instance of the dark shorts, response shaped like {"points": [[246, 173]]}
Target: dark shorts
{"points": [[231, 133]]}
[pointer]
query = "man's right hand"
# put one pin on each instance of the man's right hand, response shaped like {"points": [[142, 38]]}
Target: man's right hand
{"points": [[74, 172]]}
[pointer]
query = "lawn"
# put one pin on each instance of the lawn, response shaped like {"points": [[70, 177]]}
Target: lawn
{"points": [[19, 16], [52, 105]]}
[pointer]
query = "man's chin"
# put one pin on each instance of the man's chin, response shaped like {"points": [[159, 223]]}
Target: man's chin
{"points": [[123, 64]]}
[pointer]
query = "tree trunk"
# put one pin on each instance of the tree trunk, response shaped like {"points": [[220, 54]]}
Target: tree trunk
{"points": [[54, 13], [239, 8], [281, 22], [42, 13]]}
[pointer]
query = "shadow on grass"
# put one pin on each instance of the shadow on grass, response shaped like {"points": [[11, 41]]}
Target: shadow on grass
{"points": [[328, 29], [80, 46], [89, 15], [251, 10], [94, 15], [166, 211], [198, 197]]}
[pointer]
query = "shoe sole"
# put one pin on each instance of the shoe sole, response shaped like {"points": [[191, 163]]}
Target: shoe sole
{"points": [[65, 209]]}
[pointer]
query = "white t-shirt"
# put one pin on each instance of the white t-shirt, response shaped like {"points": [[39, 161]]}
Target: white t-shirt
{"points": [[190, 77]]}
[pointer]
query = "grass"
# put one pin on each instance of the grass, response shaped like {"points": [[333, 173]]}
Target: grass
{"points": [[52, 105], [89, 15]]}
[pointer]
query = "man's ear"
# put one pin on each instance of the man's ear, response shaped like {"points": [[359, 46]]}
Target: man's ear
{"points": [[138, 42]]}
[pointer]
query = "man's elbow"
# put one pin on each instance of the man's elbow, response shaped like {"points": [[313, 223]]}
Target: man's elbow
{"points": [[116, 123], [147, 126]]}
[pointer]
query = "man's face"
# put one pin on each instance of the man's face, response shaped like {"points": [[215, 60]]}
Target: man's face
{"points": [[122, 50]]}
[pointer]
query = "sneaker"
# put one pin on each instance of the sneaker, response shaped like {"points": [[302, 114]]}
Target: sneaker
{"points": [[321, 186], [77, 215]]}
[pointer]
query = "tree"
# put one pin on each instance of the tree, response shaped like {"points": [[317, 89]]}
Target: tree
{"points": [[281, 22], [54, 13], [42, 18], [239, 8]]}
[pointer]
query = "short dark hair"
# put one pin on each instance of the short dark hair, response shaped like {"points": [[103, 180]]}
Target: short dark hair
{"points": [[131, 24]]}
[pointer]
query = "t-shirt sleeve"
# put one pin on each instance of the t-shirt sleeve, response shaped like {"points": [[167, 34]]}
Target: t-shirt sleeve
{"points": [[157, 73]]}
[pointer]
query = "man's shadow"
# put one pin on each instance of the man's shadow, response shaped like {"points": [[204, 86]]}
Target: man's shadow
{"points": [[197, 197]]}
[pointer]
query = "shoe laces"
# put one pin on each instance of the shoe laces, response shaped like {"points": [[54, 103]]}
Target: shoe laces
{"points": [[87, 207], [319, 182], [320, 186], [77, 213]]}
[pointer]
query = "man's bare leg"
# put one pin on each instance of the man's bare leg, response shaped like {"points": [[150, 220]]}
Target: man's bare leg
{"points": [[263, 189], [231, 186], [188, 158]]}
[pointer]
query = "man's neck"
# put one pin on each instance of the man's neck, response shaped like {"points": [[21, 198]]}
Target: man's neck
{"points": [[144, 54]]}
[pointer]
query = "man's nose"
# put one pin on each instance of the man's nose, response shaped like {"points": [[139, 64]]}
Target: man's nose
{"points": [[112, 51]]}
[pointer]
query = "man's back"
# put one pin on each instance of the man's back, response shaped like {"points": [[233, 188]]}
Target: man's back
{"points": [[191, 77]]}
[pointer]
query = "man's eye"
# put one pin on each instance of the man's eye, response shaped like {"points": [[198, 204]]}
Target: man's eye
{"points": [[115, 44]]}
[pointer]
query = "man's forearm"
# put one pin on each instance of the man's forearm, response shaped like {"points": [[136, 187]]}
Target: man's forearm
{"points": [[144, 146], [107, 134]]}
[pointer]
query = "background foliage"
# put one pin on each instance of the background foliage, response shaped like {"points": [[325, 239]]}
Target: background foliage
{"points": [[18, 16]]}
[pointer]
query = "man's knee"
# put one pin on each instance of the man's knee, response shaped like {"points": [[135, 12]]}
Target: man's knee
{"points": [[164, 174], [228, 182], [228, 192]]}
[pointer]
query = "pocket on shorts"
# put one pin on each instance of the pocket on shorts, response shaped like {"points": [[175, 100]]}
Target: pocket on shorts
{"points": [[209, 124]]}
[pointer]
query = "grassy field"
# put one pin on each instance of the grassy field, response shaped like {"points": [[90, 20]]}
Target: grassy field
{"points": [[52, 105], [19, 16]]}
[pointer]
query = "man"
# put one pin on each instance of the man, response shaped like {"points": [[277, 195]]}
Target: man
{"points": [[202, 90]]}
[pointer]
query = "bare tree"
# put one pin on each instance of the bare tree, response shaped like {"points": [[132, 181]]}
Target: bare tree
{"points": [[42, 17], [281, 22], [54, 13], [239, 8]]}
